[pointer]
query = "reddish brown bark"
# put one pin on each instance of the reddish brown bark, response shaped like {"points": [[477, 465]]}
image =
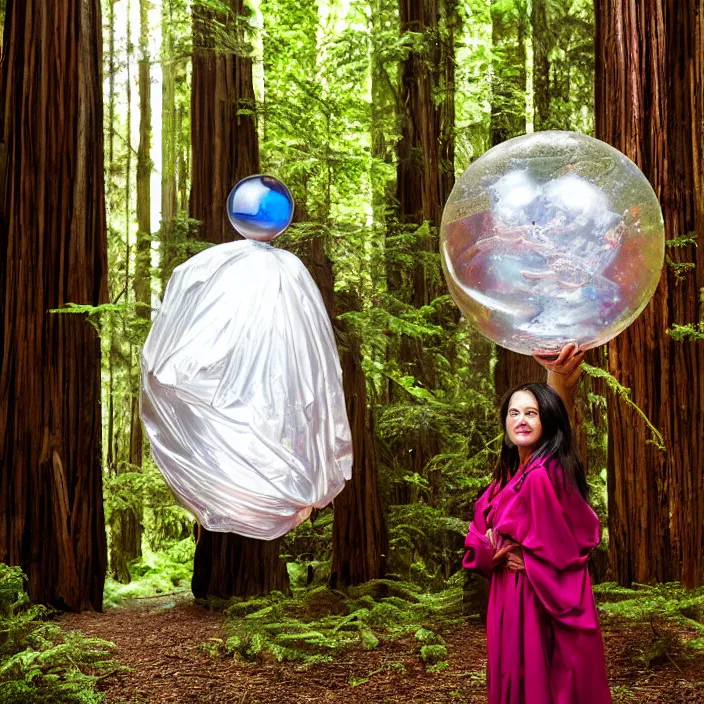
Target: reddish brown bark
{"points": [[359, 536], [222, 86], [425, 176], [225, 150], [650, 105], [507, 121], [426, 152], [52, 251]]}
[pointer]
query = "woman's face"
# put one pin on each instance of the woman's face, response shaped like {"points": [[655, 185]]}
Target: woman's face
{"points": [[523, 420]]}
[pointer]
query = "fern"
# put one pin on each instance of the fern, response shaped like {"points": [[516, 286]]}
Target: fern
{"points": [[38, 662]]}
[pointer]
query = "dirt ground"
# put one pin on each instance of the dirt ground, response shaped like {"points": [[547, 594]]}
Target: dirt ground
{"points": [[162, 641]]}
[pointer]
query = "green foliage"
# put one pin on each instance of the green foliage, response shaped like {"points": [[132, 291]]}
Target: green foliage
{"points": [[680, 268], [38, 662], [692, 331], [432, 654], [154, 573], [315, 624], [669, 600], [624, 394]]}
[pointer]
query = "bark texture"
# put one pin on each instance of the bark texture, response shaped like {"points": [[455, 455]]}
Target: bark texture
{"points": [[359, 536], [425, 176], [52, 251], [508, 120], [225, 150], [650, 105], [426, 151], [221, 87], [542, 43]]}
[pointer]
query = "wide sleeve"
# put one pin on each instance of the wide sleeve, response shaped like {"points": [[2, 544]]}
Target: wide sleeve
{"points": [[479, 553], [557, 531]]}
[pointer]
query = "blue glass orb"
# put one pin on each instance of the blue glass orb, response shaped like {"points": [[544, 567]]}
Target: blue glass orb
{"points": [[260, 207], [550, 238]]}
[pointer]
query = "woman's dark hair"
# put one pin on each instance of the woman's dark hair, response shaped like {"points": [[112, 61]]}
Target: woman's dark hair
{"points": [[556, 441]]}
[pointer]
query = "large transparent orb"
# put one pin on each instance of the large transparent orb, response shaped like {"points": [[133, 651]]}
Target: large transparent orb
{"points": [[550, 238], [260, 207]]}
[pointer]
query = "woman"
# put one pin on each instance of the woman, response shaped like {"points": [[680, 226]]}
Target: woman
{"points": [[531, 535]]}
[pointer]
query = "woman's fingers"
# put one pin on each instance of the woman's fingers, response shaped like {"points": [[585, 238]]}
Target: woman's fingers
{"points": [[561, 364], [515, 562], [492, 539], [506, 549]]}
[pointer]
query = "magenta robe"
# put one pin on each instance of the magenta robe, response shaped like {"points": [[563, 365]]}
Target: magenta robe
{"points": [[543, 637]]}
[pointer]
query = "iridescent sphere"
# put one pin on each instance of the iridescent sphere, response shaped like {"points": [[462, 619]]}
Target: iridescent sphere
{"points": [[260, 207], [550, 238]]}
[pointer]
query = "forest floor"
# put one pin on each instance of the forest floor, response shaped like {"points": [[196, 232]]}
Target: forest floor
{"points": [[164, 643]]}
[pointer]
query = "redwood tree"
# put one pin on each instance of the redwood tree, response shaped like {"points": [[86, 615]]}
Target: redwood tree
{"points": [[650, 105], [225, 149], [425, 172], [52, 251], [508, 120], [359, 536]]}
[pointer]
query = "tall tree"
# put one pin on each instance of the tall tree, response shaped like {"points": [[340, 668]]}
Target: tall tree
{"points": [[173, 70], [131, 529], [359, 536], [125, 533], [52, 251], [650, 105], [542, 43], [225, 149], [425, 173], [508, 120], [508, 71], [563, 64]]}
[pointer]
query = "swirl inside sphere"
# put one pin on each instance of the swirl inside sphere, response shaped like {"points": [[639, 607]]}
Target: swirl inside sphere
{"points": [[549, 238], [260, 207]]}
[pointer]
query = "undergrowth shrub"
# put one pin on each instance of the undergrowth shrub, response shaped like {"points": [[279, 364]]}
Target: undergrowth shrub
{"points": [[666, 608], [155, 573], [315, 623], [38, 662]]}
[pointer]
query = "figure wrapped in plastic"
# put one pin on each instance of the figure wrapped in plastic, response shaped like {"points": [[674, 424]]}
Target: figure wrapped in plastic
{"points": [[241, 383]]}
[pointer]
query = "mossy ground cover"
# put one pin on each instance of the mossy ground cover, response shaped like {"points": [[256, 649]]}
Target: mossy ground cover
{"points": [[314, 625], [40, 663]]}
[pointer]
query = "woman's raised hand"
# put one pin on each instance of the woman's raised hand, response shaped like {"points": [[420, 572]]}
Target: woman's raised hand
{"points": [[567, 364]]}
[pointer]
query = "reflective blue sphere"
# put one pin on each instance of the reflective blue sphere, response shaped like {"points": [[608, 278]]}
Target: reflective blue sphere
{"points": [[260, 207]]}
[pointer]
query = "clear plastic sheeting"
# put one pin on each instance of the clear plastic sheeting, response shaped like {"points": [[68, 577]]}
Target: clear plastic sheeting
{"points": [[242, 391]]}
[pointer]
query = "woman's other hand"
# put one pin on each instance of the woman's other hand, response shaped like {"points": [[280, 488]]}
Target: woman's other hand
{"points": [[512, 553]]}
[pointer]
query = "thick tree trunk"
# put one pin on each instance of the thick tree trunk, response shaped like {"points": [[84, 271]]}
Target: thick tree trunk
{"points": [[225, 150], [650, 105], [220, 137], [508, 105], [425, 172], [359, 538], [52, 251], [542, 43], [426, 149], [508, 120]]}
